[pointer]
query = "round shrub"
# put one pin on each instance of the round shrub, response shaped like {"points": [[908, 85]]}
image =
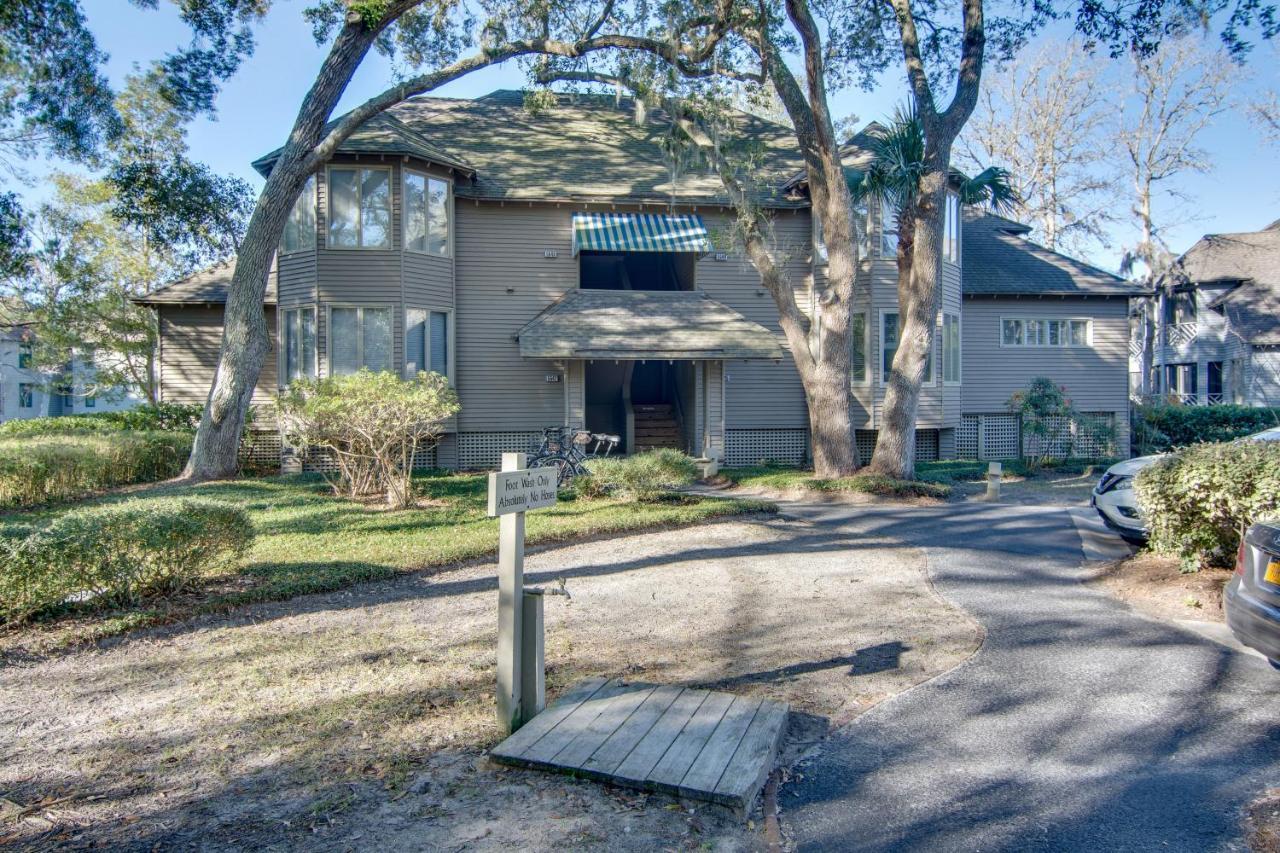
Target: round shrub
{"points": [[120, 553], [1198, 501], [643, 477], [44, 469]]}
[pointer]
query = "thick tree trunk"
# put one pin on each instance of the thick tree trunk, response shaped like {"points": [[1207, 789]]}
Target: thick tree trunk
{"points": [[246, 341]]}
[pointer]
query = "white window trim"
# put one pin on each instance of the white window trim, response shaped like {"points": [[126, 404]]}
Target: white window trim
{"points": [[448, 212], [451, 346], [866, 351], [1088, 321], [959, 350], [328, 332], [282, 359], [932, 381], [328, 212], [315, 208]]}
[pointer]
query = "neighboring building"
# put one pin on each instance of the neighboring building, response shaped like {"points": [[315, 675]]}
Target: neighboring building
{"points": [[1211, 333], [561, 270], [23, 389]]}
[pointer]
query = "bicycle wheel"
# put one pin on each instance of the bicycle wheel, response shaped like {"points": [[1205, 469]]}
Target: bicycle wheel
{"points": [[564, 468]]}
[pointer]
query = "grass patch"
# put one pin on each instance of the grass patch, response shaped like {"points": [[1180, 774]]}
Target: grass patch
{"points": [[309, 541], [778, 478]]}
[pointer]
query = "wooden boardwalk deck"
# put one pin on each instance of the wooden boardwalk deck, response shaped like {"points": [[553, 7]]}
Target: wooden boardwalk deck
{"points": [[690, 743]]}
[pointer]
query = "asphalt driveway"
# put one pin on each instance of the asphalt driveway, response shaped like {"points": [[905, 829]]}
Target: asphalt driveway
{"points": [[1078, 725]]}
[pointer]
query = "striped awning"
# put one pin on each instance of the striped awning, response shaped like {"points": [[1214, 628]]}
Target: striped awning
{"points": [[639, 232]]}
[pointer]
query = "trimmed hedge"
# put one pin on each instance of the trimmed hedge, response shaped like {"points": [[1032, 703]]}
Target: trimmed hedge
{"points": [[1198, 501], [642, 477], [1160, 427], [45, 469], [117, 554], [163, 417]]}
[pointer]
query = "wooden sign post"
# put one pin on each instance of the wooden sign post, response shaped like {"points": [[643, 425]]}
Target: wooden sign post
{"points": [[512, 492]]}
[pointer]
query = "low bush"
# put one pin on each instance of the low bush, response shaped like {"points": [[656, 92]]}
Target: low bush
{"points": [[1198, 501], [889, 487], [1159, 427], [162, 417], [44, 469], [642, 477], [117, 554]]}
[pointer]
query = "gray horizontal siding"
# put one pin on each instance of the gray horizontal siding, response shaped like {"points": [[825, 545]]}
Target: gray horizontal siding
{"points": [[428, 281], [296, 278], [191, 340]]}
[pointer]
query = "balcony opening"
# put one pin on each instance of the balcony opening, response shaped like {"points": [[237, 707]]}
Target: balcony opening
{"points": [[637, 270]]}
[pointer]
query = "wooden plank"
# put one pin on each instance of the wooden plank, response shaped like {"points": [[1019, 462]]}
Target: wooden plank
{"points": [[619, 745], [721, 746], [668, 773], [528, 734], [617, 711], [635, 768], [550, 744], [753, 758]]}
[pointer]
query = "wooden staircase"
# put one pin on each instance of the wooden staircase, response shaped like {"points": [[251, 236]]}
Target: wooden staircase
{"points": [[656, 427]]}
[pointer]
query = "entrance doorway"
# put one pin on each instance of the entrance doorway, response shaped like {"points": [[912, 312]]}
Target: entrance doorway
{"points": [[644, 401]]}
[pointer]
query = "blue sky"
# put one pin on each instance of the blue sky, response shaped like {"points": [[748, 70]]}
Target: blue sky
{"points": [[257, 107]]}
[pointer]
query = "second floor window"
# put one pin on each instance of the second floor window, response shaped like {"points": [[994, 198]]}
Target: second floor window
{"points": [[299, 343], [950, 348], [888, 229], [300, 229], [858, 348], [951, 231], [426, 214], [359, 208], [24, 356], [359, 337], [1180, 307], [1045, 333]]}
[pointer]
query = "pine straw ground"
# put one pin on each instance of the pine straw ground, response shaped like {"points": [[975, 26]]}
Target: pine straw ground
{"points": [[358, 718]]}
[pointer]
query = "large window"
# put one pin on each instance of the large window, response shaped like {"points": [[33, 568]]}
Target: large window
{"points": [[426, 214], [951, 349], [888, 229], [359, 337], [1180, 381], [1180, 307], [858, 344], [299, 343], [24, 356], [1018, 332], [300, 229], [861, 221], [359, 208], [890, 334], [951, 231], [427, 342], [26, 395]]}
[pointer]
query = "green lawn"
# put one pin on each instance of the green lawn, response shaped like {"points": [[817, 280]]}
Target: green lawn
{"points": [[309, 541], [779, 478]]}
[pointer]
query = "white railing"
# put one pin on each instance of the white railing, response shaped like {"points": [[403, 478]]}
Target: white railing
{"points": [[1136, 346], [1179, 334]]}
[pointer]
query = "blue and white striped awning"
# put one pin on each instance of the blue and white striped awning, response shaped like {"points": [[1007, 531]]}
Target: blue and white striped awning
{"points": [[639, 232]]}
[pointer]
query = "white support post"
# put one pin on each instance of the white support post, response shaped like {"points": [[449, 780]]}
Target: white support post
{"points": [[510, 609]]}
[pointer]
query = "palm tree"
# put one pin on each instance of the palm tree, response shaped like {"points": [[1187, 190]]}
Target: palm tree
{"points": [[893, 178]]}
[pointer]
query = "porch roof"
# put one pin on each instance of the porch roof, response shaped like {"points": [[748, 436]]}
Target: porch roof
{"points": [[634, 325]]}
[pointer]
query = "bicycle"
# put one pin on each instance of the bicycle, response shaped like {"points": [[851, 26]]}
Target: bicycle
{"points": [[564, 450]]}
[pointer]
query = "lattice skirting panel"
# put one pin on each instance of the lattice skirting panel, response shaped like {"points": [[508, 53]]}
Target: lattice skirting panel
{"points": [[483, 450], [753, 446], [260, 450], [1091, 437], [926, 445], [1000, 435]]}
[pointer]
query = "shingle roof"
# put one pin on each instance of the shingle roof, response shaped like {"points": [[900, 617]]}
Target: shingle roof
{"points": [[1252, 258], [998, 260], [384, 134], [586, 147], [209, 286], [633, 324]]}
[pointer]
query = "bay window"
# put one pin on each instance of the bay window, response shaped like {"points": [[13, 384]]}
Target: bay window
{"points": [[298, 336], [359, 208], [428, 342], [426, 214], [890, 334], [951, 349], [359, 337], [300, 228]]}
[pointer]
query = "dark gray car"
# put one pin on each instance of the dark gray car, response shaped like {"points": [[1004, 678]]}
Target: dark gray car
{"points": [[1252, 598]]}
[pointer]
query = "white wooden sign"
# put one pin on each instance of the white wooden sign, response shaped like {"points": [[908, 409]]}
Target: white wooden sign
{"points": [[520, 491]]}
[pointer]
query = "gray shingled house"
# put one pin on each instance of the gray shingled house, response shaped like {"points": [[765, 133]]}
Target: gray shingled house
{"points": [[1215, 324], [561, 269]]}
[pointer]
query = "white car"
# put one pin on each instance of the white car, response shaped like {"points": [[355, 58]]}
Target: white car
{"points": [[1115, 501]]}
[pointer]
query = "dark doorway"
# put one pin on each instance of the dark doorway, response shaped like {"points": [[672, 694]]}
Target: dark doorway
{"points": [[636, 270], [1214, 388], [653, 382]]}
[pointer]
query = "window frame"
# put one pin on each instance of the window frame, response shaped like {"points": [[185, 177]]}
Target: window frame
{"points": [[391, 210], [282, 319], [315, 217], [26, 353], [867, 370], [886, 210], [29, 389], [1088, 321], [450, 344], [951, 229], [931, 379], [360, 306], [959, 347], [405, 173]]}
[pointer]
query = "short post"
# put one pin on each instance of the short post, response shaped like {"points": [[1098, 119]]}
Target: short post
{"points": [[533, 670], [994, 472]]}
